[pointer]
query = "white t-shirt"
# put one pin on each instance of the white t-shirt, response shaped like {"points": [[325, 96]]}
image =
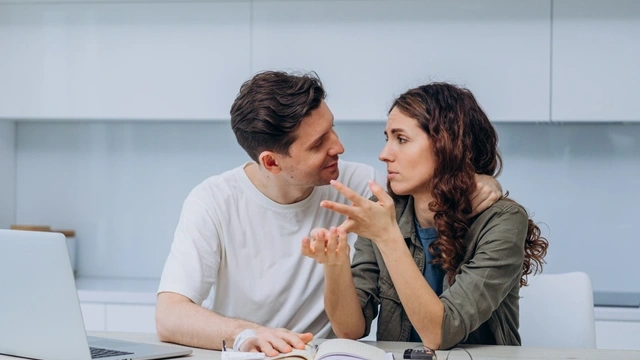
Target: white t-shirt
{"points": [[237, 252]]}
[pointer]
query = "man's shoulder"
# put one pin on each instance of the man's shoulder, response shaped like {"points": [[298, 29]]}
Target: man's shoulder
{"points": [[217, 186]]}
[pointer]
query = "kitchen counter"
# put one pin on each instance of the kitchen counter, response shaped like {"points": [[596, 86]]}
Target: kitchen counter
{"points": [[143, 291], [117, 290]]}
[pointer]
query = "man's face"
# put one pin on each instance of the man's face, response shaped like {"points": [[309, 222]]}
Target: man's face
{"points": [[313, 156]]}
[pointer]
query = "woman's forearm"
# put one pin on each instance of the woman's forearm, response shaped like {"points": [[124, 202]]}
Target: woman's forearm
{"points": [[341, 302]]}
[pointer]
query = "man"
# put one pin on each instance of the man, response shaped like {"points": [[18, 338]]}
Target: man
{"points": [[235, 272]]}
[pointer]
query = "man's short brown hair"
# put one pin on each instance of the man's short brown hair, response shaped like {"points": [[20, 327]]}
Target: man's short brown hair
{"points": [[270, 107]]}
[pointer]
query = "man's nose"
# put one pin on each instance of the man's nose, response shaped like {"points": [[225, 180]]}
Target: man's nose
{"points": [[336, 147]]}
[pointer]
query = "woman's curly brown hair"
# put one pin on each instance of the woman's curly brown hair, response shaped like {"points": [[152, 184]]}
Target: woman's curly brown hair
{"points": [[464, 143]]}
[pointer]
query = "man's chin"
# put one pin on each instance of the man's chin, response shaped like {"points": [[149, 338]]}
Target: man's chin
{"points": [[327, 180]]}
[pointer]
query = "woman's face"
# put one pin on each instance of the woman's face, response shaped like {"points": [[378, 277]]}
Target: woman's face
{"points": [[408, 154]]}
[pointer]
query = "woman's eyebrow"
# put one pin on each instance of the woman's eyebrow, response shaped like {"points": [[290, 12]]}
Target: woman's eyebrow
{"points": [[394, 130]]}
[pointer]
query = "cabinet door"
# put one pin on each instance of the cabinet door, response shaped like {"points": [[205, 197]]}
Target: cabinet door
{"points": [[8, 175], [93, 316], [131, 318], [119, 60], [596, 57], [368, 52], [618, 335]]}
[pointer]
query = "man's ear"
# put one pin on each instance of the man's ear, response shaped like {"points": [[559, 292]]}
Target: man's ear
{"points": [[269, 161]]}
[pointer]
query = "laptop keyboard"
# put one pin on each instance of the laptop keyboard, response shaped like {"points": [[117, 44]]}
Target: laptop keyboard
{"points": [[97, 353]]}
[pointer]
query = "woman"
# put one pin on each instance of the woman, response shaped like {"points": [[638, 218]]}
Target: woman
{"points": [[439, 275]]}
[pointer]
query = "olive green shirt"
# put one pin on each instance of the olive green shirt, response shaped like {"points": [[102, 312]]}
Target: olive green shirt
{"points": [[481, 307]]}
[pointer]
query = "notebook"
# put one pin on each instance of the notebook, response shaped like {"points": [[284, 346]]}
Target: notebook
{"points": [[40, 316]]}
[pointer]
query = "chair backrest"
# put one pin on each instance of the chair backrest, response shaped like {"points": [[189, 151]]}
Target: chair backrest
{"points": [[556, 310]]}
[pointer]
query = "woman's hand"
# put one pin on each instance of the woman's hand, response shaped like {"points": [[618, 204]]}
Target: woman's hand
{"points": [[372, 220], [329, 247]]}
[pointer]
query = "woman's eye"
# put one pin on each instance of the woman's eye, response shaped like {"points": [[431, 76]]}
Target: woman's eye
{"points": [[402, 140]]}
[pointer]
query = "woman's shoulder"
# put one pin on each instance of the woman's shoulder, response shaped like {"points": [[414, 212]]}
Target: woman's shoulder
{"points": [[505, 211], [506, 206], [506, 220]]}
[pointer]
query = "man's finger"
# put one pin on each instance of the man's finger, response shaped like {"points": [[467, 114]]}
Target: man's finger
{"points": [[476, 193], [321, 237], [353, 196], [314, 233], [266, 347], [482, 206], [306, 247], [258, 345], [332, 245], [320, 251], [294, 339], [343, 245], [305, 337], [278, 341]]}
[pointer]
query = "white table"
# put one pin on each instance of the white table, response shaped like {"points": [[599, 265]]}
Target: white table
{"points": [[479, 352]]}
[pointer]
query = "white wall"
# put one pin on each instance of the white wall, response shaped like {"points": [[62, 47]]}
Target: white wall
{"points": [[7, 173], [121, 185]]}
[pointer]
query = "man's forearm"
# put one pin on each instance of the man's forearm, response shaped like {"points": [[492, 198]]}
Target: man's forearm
{"points": [[189, 324], [341, 302]]}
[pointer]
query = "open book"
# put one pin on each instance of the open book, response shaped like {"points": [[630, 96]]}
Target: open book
{"points": [[338, 349]]}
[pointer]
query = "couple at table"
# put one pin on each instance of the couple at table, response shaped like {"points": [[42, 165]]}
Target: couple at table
{"points": [[434, 251]]}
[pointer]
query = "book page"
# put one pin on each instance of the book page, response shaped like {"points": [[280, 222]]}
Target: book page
{"points": [[345, 348]]}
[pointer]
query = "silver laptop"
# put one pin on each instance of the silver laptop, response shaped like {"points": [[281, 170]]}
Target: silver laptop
{"points": [[40, 315]]}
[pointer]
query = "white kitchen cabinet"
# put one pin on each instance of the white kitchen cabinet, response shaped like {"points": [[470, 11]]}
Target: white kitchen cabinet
{"points": [[368, 52], [118, 60], [130, 318], [8, 173], [618, 335], [596, 57], [118, 304], [94, 316]]}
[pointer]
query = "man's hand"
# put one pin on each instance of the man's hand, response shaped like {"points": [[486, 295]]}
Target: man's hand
{"points": [[272, 342], [488, 191], [329, 247]]}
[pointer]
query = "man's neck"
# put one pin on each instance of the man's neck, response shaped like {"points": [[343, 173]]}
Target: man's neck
{"points": [[273, 187]]}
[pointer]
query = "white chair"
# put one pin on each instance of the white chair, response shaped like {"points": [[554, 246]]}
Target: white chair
{"points": [[556, 310]]}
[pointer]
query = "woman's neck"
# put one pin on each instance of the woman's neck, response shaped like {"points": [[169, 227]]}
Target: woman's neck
{"points": [[424, 216]]}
